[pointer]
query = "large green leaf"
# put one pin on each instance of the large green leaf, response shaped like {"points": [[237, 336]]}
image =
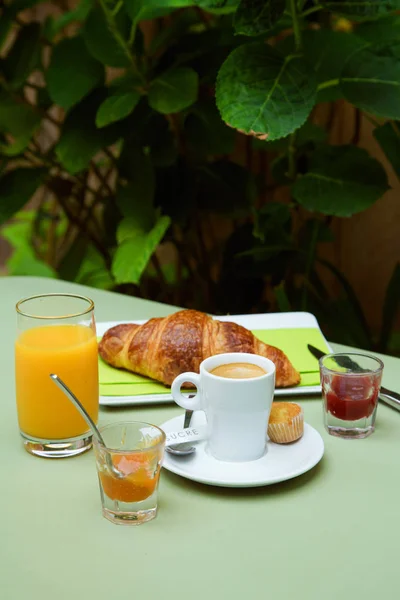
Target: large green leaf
{"points": [[254, 17], [116, 107], [133, 254], [80, 139], [371, 80], [262, 92], [326, 51], [341, 181], [174, 90], [219, 7], [23, 262], [79, 13], [93, 271], [23, 57], [72, 62], [381, 30], [361, 8], [16, 189], [106, 38], [388, 137], [18, 119], [140, 10]]}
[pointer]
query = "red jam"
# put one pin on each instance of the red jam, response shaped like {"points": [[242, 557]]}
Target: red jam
{"points": [[352, 397]]}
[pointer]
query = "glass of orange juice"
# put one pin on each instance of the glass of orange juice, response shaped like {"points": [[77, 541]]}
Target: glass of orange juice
{"points": [[136, 450], [56, 334]]}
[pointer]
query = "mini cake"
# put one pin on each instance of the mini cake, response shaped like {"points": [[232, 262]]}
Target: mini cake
{"points": [[286, 422]]}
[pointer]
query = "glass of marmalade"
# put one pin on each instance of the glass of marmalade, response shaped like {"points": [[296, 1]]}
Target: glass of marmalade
{"points": [[136, 450]]}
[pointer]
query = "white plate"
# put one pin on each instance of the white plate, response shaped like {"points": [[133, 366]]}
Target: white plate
{"points": [[287, 320], [279, 463]]}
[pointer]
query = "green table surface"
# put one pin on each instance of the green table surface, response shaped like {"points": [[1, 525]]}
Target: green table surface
{"points": [[331, 533]]}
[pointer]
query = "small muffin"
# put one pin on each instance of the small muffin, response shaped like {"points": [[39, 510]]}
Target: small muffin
{"points": [[286, 422]]}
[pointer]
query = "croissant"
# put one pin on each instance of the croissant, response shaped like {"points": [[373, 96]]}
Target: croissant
{"points": [[162, 348]]}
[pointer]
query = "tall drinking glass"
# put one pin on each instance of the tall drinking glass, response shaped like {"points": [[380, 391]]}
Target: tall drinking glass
{"points": [[56, 334]]}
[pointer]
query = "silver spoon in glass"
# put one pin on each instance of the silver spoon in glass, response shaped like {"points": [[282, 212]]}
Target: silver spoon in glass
{"points": [[71, 396]]}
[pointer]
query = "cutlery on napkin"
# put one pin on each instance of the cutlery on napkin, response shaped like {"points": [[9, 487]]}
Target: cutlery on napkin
{"points": [[387, 396]]}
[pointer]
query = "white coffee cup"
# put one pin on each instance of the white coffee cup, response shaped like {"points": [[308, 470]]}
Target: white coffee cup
{"points": [[237, 410]]}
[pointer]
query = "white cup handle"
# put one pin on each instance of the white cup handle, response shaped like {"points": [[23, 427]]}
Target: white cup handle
{"points": [[193, 403]]}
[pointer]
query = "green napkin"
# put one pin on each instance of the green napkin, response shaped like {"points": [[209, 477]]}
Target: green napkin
{"points": [[293, 342]]}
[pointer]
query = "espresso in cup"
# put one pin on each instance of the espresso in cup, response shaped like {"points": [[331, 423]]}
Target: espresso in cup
{"points": [[237, 403], [239, 370]]}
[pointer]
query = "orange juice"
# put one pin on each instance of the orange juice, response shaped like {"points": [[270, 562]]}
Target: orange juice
{"points": [[70, 351]]}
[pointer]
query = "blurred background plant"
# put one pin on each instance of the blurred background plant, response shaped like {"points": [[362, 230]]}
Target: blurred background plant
{"points": [[181, 150]]}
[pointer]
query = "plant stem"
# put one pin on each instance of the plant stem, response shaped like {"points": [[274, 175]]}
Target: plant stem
{"points": [[296, 25], [327, 84], [312, 10]]}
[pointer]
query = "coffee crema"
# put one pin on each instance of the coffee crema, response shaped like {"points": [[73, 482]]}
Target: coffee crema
{"points": [[238, 371]]}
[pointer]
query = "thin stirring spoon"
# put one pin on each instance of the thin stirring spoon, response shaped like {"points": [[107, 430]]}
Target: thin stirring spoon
{"points": [[186, 448], [71, 396]]}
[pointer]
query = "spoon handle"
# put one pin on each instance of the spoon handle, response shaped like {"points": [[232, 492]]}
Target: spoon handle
{"points": [[64, 388]]}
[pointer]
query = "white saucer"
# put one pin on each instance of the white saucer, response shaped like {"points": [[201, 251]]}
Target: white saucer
{"points": [[280, 462]]}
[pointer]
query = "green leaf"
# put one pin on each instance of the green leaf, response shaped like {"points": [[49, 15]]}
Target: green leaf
{"points": [[261, 92], [24, 56], [106, 39], [133, 254], [342, 181], [380, 31], [72, 62], [93, 271], [54, 26], [17, 188], [391, 307], [24, 262], [18, 119], [140, 10], [254, 17], [219, 7], [80, 139], [371, 80], [361, 8], [326, 51], [116, 107], [388, 137], [174, 90]]}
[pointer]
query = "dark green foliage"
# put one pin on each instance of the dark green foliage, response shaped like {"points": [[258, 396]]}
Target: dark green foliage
{"points": [[184, 136]]}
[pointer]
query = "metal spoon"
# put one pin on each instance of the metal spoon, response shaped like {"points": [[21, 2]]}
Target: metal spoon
{"points": [[71, 396], [186, 448]]}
